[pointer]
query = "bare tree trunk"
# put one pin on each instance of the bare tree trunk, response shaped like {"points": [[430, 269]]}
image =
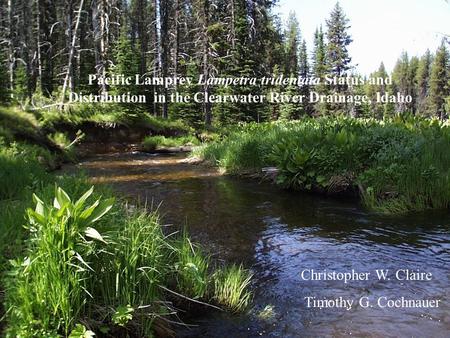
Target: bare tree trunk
{"points": [[11, 56], [38, 39], [205, 65], [100, 22], [71, 53], [164, 43], [232, 26], [157, 61], [70, 42], [176, 40], [25, 46]]}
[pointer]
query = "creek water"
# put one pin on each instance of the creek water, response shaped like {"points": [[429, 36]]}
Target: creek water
{"points": [[278, 234]]}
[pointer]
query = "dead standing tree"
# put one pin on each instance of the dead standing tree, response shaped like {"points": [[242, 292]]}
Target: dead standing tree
{"points": [[69, 73]]}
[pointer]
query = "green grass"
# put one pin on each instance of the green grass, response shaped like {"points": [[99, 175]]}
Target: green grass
{"points": [[14, 121], [397, 165], [151, 143], [191, 268], [22, 168], [231, 288], [108, 115]]}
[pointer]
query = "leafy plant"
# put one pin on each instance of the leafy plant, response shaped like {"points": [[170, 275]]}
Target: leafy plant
{"points": [[123, 315], [80, 331], [49, 287]]}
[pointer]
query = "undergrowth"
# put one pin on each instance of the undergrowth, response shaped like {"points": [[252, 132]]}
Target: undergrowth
{"points": [[396, 165]]}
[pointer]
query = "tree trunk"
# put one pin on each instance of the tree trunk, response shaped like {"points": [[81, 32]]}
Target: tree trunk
{"points": [[99, 20], [11, 56], [205, 65], [232, 25], [157, 61], [164, 28], [38, 42], [176, 40], [67, 79]]}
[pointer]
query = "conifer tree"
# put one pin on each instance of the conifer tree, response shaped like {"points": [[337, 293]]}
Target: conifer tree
{"points": [[439, 82], [319, 54], [292, 45], [127, 61], [402, 79], [320, 69], [423, 85], [189, 111], [412, 81], [338, 57], [291, 110], [304, 72]]}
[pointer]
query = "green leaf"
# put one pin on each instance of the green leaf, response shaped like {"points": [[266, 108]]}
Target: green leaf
{"points": [[79, 204], [102, 208], [123, 315], [36, 217], [80, 331], [320, 179], [82, 261], [62, 199], [92, 233], [88, 211], [39, 206]]}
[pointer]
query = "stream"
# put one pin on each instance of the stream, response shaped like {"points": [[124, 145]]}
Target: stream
{"points": [[279, 234]]}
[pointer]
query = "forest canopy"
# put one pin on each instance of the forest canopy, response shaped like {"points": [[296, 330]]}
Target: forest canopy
{"points": [[215, 48]]}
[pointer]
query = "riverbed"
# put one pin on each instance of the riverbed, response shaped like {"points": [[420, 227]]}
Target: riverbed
{"points": [[281, 234]]}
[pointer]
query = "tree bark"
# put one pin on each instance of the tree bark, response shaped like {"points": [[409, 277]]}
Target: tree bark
{"points": [[205, 59], [164, 28], [11, 56], [176, 40], [67, 79]]}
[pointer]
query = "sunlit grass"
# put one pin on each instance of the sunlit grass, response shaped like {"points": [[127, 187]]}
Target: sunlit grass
{"points": [[231, 288], [396, 165], [151, 143]]}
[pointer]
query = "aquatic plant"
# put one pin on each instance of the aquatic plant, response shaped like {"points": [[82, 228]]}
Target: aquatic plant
{"points": [[231, 287]]}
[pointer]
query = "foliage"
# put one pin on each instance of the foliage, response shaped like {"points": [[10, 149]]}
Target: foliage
{"points": [[397, 165], [21, 168], [191, 269], [152, 143], [439, 82]]}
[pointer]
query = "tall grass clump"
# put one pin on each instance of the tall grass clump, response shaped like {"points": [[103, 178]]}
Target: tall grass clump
{"points": [[396, 165], [108, 115], [45, 295], [231, 288], [191, 269]]}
